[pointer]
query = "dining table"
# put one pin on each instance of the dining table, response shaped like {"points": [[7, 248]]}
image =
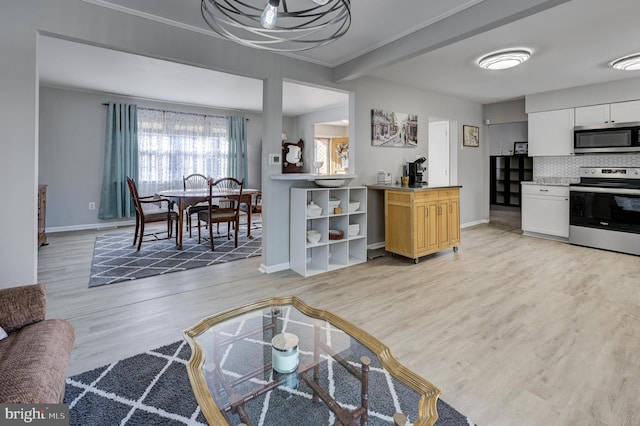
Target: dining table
{"points": [[190, 197]]}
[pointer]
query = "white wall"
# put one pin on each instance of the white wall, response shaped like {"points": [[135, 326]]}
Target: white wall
{"points": [[22, 21], [502, 136], [72, 126], [505, 112], [470, 165]]}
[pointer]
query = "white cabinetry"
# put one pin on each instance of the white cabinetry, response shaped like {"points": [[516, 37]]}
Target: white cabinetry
{"points": [[625, 112], [619, 112], [593, 115], [307, 258], [551, 133], [545, 211]]}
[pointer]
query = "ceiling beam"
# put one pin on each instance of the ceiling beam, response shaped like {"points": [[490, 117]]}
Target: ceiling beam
{"points": [[482, 17]]}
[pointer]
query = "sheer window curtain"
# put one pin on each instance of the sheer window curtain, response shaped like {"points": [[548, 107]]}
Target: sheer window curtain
{"points": [[172, 145], [120, 161]]}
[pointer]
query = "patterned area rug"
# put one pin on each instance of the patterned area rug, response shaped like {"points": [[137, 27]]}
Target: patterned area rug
{"points": [[115, 259], [153, 388]]}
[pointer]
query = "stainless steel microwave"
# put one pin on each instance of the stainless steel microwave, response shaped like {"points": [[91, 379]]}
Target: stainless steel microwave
{"points": [[617, 137]]}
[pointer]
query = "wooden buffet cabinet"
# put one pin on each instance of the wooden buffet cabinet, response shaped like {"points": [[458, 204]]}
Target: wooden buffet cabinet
{"points": [[421, 221]]}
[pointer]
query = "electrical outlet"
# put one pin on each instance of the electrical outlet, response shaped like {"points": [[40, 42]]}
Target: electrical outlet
{"points": [[92, 205]]}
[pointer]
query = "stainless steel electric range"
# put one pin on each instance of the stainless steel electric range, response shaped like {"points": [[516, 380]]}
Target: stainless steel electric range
{"points": [[605, 209]]}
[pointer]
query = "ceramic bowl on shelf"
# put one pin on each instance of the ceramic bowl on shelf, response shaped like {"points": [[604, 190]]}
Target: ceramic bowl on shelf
{"points": [[313, 209], [354, 229], [354, 206], [333, 203], [313, 236], [330, 183]]}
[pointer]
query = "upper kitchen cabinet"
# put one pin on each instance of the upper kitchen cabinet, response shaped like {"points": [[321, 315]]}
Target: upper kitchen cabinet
{"points": [[551, 133], [619, 112], [624, 112]]}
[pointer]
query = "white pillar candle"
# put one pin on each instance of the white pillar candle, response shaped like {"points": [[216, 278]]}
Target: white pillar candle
{"points": [[284, 352]]}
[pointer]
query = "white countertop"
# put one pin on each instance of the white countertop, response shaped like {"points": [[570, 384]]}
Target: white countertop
{"points": [[309, 176], [552, 181]]}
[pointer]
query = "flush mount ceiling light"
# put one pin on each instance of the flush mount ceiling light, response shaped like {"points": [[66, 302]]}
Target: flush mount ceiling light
{"points": [[628, 63], [279, 25], [504, 60]]}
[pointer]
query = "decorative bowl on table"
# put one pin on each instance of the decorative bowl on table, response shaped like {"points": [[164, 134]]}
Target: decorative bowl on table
{"points": [[354, 229], [313, 209], [313, 236], [335, 234], [354, 206]]}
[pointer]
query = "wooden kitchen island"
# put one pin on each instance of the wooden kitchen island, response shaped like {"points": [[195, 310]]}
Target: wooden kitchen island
{"points": [[420, 221]]}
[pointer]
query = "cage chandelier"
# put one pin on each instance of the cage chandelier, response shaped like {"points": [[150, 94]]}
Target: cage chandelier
{"points": [[279, 25]]}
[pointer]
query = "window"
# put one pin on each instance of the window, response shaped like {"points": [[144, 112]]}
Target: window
{"points": [[173, 144], [320, 155]]}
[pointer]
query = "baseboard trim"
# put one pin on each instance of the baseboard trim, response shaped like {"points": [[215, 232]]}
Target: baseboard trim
{"points": [[273, 268], [545, 236], [474, 223], [90, 226]]}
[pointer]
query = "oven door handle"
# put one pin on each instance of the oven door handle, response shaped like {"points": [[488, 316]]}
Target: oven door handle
{"points": [[605, 190]]}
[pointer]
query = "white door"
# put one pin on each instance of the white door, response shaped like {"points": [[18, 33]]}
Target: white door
{"points": [[438, 158]]}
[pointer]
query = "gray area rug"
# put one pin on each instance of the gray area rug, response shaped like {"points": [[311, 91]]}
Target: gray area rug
{"points": [[115, 258], [153, 388]]}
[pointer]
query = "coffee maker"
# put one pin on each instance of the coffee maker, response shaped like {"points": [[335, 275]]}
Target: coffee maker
{"points": [[414, 171]]}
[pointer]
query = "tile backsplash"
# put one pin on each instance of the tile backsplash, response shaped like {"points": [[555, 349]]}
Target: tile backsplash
{"points": [[568, 166]]}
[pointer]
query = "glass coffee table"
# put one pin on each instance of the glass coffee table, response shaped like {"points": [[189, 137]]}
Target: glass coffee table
{"points": [[279, 361]]}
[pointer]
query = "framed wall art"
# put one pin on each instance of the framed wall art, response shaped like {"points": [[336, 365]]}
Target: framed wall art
{"points": [[470, 135], [394, 129]]}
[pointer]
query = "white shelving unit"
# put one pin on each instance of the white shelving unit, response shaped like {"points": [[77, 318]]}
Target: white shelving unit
{"points": [[326, 255]]}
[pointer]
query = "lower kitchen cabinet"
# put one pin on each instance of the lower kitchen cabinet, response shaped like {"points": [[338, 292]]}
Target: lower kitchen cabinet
{"points": [[422, 221], [545, 211], [343, 234]]}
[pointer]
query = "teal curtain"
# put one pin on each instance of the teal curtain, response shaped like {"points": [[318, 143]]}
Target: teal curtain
{"points": [[120, 161], [237, 148]]}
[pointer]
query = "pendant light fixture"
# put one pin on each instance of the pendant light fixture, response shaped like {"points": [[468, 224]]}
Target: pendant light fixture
{"points": [[504, 60], [627, 63], [279, 25]]}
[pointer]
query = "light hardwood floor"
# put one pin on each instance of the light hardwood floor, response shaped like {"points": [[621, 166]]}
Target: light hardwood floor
{"points": [[513, 330]]}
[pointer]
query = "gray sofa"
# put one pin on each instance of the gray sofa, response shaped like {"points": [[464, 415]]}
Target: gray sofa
{"points": [[35, 354]]}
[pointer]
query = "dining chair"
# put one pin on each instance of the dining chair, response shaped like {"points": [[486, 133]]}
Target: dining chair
{"points": [[149, 209], [195, 181], [227, 192]]}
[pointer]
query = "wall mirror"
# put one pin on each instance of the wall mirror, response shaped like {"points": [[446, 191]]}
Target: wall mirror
{"points": [[331, 148]]}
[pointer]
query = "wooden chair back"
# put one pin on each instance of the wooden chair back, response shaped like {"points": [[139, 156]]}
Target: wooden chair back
{"points": [[195, 181], [227, 192], [133, 190]]}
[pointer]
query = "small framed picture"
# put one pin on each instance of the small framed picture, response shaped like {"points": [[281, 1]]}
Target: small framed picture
{"points": [[470, 135], [521, 148]]}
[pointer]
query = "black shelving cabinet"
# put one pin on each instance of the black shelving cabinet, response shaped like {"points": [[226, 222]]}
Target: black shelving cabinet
{"points": [[506, 174]]}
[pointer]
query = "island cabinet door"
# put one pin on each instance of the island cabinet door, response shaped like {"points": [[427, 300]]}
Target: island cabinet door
{"points": [[443, 223], [454, 221], [425, 224], [432, 226], [421, 220], [398, 223]]}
